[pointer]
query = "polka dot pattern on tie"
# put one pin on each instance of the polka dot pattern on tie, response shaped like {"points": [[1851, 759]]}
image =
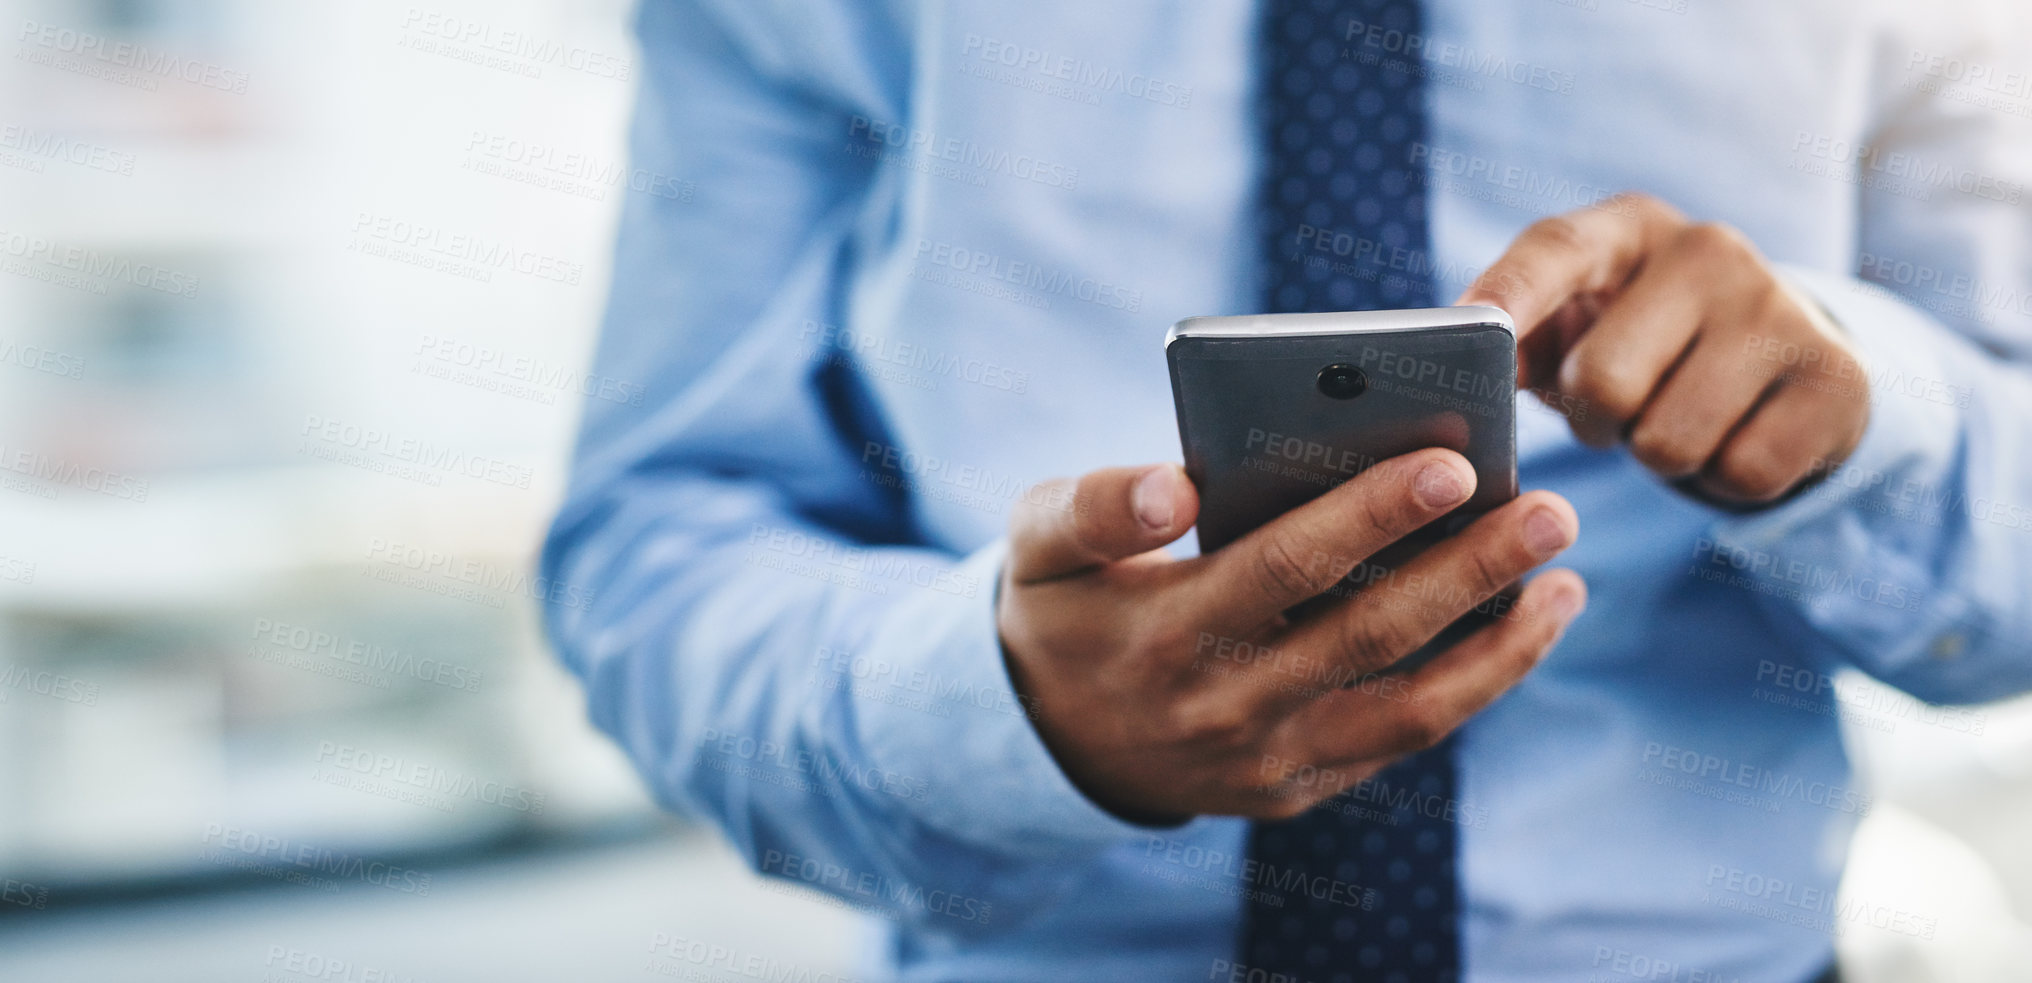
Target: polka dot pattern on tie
{"points": [[1376, 897]]}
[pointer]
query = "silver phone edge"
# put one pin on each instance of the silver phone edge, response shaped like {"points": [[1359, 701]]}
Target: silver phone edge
{"points": [[1336, 323]]}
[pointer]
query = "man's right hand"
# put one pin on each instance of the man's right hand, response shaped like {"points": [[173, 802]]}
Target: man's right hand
{"points": [[1169, 688]]}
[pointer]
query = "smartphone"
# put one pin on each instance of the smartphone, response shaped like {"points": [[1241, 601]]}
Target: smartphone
{"points": [[1276, 409]]}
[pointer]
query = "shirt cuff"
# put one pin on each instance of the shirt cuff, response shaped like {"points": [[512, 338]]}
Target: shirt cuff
{"points": [[991, 781], [1853, 551], [1918, 399]]}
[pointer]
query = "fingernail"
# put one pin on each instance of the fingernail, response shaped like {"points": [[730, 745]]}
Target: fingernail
{"points": [[1567, 605], [1151, 498], [1543, 535], [1438, 485]]}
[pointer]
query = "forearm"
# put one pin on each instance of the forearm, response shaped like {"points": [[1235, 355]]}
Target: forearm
{"points": [[841, 711]]}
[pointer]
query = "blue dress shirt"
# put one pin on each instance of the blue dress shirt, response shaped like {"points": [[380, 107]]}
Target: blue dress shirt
{"points": [[929, 261]]}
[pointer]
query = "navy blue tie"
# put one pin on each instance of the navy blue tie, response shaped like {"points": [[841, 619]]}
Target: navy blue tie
{"points": [[1342, 213]]}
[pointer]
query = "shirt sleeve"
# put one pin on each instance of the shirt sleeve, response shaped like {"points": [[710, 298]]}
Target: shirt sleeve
{"points": [[761, 628], [1913, 561]]}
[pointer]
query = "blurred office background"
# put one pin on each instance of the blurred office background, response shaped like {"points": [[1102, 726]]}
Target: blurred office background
{"points": [[297, 307]]}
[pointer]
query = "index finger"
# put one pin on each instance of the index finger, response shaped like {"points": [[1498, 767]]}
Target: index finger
{"points": [[1301, 554], [1580, 252]]}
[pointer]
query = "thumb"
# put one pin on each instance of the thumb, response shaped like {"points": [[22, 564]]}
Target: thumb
{"points": [[1060, 528]]}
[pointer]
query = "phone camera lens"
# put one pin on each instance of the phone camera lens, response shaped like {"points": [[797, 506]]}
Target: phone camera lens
{"points": [[1342, 381]]}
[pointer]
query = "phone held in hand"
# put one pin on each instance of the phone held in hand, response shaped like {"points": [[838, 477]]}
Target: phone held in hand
{"points": [[1276, 409]]}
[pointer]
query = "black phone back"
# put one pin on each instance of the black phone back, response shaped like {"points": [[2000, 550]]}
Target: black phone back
{"points": [[1274, 410]]}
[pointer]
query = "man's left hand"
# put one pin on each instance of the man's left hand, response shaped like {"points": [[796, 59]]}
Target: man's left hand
{"points": [[1679, 338]]}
